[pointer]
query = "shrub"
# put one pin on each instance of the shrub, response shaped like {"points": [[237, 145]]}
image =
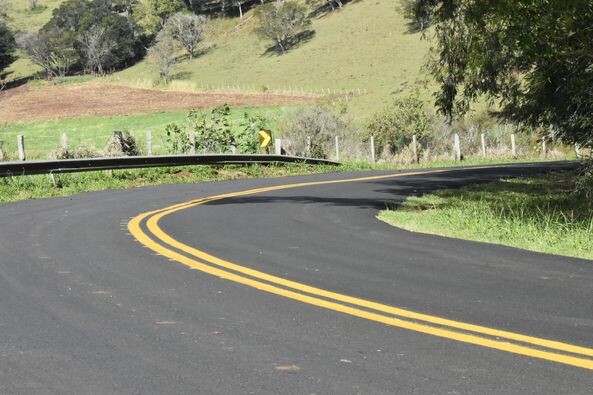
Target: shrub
{"points": [[122, 144], [177, 139], [395, 125], [320, 124], [213, 130], [247, 137]]}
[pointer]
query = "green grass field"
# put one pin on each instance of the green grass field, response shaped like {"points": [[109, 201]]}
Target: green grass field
{"points": [[538, 213], [43, 137]]}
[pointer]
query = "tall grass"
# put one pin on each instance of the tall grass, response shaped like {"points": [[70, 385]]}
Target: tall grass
{"points": [[541, 214]]}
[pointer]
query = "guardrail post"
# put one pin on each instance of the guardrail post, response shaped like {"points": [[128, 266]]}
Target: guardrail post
{"points": [[544, 148], [1, 150], [577, 151], [373, 158], [337, 148], [457, 148], [20, 139], [192, 143], [149, 143], [415, 148], [278, 147], [513, 145], [483, 145], [309, 146]]}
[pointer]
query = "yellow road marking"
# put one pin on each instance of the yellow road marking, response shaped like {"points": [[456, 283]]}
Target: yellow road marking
{"points": [[153, 218]]}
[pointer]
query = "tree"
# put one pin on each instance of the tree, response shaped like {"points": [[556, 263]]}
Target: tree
{"points": [[54, 60], [96, 46], [417, 11], [162, 56], [7, 46], [532, 56], [73, 25], [153, 14], [187, 30], [281, 22]]}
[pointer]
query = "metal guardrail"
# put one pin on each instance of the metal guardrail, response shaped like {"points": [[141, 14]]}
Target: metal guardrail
{"points": [[12, 169]]}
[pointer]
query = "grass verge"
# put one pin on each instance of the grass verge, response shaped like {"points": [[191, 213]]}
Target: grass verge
{"points": [[540, 213], [41, 186]]}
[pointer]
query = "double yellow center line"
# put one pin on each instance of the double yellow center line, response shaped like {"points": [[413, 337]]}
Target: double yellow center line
{"points": [[162, 243]]}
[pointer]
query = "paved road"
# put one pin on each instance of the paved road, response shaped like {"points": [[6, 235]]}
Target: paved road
{"points": [[87, 308]]}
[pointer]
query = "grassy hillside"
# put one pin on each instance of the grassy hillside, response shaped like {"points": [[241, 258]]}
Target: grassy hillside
{"points": [[367, 45]]}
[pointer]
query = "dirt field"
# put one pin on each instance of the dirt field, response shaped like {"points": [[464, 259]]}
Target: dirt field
{"points": [[73, 101]]}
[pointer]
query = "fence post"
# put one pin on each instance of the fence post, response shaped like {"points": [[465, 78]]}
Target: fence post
{"points": [[337, 148], [484, 145], [64, 142], [544, 148], [513, 146], [278, 147], [21, 144], [149, 143], [192, 143], [415, 148], [373, 158], [457, 147]]}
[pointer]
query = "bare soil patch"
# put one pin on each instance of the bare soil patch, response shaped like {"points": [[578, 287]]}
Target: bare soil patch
{"points": [[74, 101]]}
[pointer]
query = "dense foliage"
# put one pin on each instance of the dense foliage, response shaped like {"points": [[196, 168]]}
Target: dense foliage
{"points": [[7, 46], [84, 35], [533, 56], [395, 126], [282, 22]]}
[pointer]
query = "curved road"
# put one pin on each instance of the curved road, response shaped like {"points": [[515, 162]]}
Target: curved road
{"points": [[295, 289]]}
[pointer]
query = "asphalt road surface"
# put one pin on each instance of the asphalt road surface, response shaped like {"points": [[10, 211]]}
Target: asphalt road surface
{"points": [[288, 288]]}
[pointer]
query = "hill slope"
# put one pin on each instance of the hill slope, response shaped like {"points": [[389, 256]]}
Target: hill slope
{"points": [[366, 45]]}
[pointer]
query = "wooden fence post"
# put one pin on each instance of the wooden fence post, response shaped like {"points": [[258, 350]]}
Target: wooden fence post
{"points": [[20, 139], [64, 142], [373, 152], [192, 143], [149, 143], [484, 145], [457, 147]]}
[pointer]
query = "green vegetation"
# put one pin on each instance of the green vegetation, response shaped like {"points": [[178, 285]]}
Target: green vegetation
{"points": [[35, 187], [542, 213], [531, 56], [43, 137]]}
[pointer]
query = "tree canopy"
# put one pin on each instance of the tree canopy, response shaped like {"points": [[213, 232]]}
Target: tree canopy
{"points": [[535, 57], [7, 46]]}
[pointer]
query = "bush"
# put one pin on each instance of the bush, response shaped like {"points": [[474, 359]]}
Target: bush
{"points": [[321, 125], [122, 144], [247, 137], [213, 131], [395, 125]]}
